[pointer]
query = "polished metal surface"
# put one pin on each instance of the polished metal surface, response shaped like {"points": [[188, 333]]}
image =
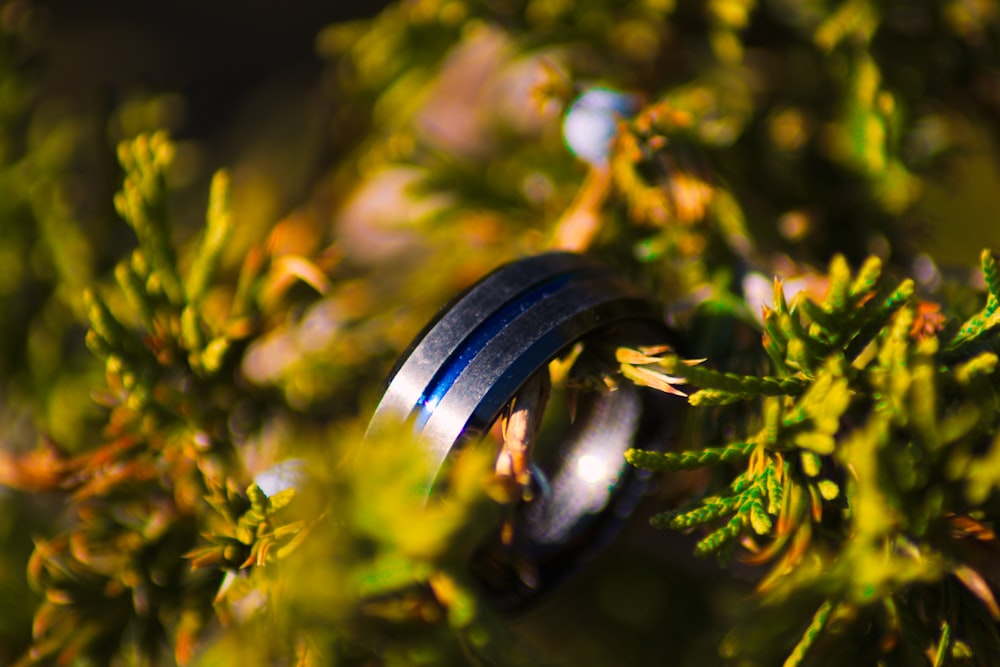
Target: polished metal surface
{"points": [[468, 363]]}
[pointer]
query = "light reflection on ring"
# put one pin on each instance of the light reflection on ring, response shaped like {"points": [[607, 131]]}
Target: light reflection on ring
{"points": [[594, 460]]}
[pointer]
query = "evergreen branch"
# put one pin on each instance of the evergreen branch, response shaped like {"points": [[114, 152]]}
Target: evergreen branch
{"points": [[707, 397], [747, 386], [192, 335], [991, 274], [982, 474], [890, 375], [746, 504], [211, 357], [828, 489], [759, 520], [979, 366], [243, 297], [799, 356], [775, 340], [812, 465], [876, 319], [775, 487], [779, 303], [971, 347], [217, 231], [969, 335], [142, 203], [971, 331], [808, 350], [134, 289], [775, 349], [837, 300], [108, 336], [711, 508], [923, 394], [742, 482], [822, 406], [863, 316], [672, 461], [855, 20], [943, 652], [105, 330], [768, 435], [824, 323], [964, 421], [720, 537], [809, 637], [867, 279]]}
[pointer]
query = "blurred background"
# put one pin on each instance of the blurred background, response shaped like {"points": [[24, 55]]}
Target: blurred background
{"points": [[379, 140]]}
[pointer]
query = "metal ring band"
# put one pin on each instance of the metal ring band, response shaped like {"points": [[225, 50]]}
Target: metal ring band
{"points": [[467, 365]]}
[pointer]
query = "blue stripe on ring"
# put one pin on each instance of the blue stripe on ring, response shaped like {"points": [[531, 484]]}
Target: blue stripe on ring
{"points": [[484, 333]]}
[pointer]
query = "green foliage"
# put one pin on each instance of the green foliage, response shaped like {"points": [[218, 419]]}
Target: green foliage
{"points": [[137, 498], [390, 567], [865, 485], [166, 526], [848, 465]]}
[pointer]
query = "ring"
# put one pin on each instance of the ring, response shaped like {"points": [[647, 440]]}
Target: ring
{"points": [[467, 365]]}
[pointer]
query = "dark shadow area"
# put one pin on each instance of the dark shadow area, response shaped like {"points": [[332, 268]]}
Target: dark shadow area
{"points": [[212, 53]]}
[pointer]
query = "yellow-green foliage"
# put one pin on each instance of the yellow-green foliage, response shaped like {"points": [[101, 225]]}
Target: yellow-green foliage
{"points": [[870, 484], [851, 458]]}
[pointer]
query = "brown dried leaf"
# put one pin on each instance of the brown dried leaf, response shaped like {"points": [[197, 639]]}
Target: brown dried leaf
{"points": [[42, 469], [648, 377], [964, 526], [977, 586]]}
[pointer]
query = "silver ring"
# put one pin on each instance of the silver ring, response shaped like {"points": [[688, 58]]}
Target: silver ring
{"points": [[468, 363]]}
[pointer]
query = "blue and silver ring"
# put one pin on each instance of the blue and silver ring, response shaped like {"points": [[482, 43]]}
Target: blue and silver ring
{"points": [[469, 362]]}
